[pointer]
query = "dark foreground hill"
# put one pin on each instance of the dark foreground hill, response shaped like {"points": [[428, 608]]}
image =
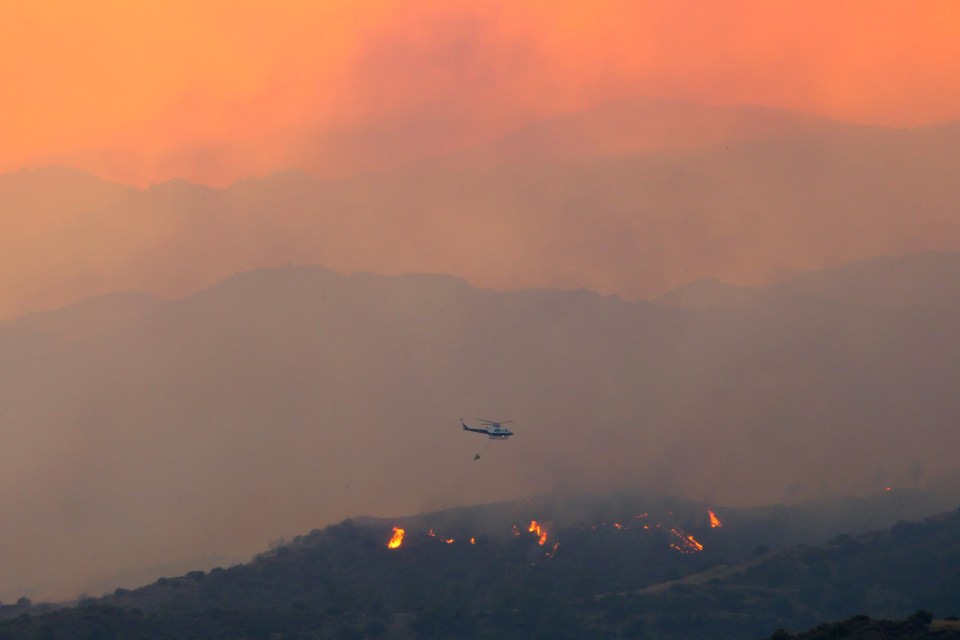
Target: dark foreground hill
{"points": [[623, 566], [917, 626]]}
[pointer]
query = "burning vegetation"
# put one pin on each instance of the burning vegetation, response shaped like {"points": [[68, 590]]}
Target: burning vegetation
{"points": [[539, 531], [714, 520], [642, 524], [397, 538], [685, 542]]}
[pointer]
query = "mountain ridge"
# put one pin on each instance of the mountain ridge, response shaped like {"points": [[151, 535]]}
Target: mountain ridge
{"points": [[638, 224]]}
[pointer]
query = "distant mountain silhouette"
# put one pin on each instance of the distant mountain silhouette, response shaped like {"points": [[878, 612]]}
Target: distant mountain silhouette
{"points": [[634, 198], [882, 283], [54, 191], [650, 125], [100, 315], [709, 295]]}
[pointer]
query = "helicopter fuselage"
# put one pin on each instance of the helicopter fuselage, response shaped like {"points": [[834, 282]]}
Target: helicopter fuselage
{"points": [[495, 430]]}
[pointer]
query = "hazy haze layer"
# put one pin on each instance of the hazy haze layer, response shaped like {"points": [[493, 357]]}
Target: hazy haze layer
{"points": [[212, 91], [625, 199], [141, 433]]}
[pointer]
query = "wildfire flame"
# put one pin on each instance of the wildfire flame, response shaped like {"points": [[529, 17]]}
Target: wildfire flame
{"points": [[537, 529], [714, 520], [397, 538], [687, 543], [679, 540], [433, 534]]}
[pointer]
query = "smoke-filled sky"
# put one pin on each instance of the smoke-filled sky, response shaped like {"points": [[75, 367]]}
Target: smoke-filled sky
{"points": [[214, 90], [514, 144]]}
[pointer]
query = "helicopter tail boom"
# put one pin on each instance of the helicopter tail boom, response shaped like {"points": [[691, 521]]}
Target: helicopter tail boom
{"points": [[466, 428]]}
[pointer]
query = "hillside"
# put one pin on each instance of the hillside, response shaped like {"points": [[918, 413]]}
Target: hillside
{"points": [[910, 566], [613, 542], [489, 571]]}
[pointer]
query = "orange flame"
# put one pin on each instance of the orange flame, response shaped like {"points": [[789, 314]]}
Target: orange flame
{"points": [[433, 534], [397, 538], [473, 541], [687, 544], [537, 529], [714, 520]]}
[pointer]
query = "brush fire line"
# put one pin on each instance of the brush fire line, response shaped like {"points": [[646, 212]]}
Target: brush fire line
{"points": [[686, 543], [683, 542]]}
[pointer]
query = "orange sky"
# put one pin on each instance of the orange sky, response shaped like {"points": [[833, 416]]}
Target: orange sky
{"points": [[216, 90]]}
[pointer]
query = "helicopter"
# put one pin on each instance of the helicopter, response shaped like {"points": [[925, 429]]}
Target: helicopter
{"points": [[492, 428]]}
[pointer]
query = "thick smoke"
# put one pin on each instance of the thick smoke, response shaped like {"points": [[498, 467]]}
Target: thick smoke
{"points": [[144, 433]]}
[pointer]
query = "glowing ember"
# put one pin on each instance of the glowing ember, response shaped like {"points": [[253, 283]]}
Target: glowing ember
{"points": [[473, 541], [686, 542], [888, 489], [714, 520], [617, 525], [551, 553], [397, 538], [537, 529], [433, 534]]}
